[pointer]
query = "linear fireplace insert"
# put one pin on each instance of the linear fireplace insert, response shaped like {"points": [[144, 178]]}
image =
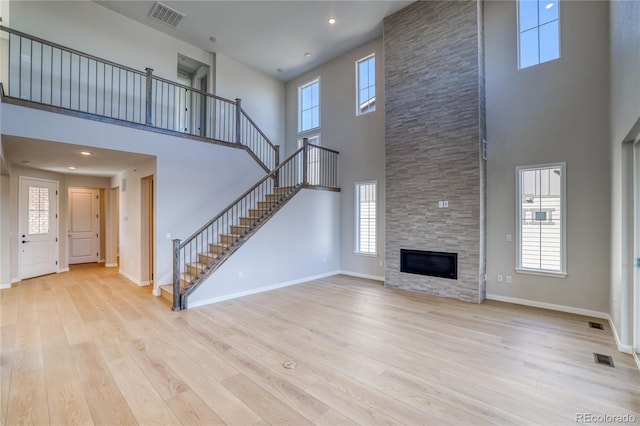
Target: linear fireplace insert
{"points": [[432, 263]]}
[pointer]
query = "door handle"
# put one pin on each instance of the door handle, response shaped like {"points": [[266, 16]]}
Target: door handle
{"points": [[25, 241]]}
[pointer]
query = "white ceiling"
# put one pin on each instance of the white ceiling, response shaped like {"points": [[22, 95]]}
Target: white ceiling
{"points": [[270, 35], [57, 157]]}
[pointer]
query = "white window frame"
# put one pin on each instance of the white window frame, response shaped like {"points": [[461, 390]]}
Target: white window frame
{"points": [[313, 130], [358, 88], [520, 67], [563, 221], [356, 191]]}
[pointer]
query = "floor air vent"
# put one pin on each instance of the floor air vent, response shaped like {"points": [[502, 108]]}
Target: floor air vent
{"points": [[603, 359], [165, 14], [597, 325]]}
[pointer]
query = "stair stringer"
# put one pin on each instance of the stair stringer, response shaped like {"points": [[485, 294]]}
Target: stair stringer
{"points": [[235, 246], [301, 243]]}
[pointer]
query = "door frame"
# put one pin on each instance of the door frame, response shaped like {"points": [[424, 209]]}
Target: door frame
{"points": [[56, 233]]}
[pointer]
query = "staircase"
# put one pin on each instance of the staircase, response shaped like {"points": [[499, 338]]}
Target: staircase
{"points": [[200, 255], [217, 253]]}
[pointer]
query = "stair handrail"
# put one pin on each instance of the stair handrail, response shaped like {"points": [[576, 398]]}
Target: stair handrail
{"points": [[272, 174], [245, 201], [132, 104]]}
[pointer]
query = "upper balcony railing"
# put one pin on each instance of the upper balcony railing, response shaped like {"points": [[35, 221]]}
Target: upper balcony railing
{"points": [[47, 73]]}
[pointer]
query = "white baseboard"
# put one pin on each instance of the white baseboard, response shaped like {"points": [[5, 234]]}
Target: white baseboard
{"points": [[101, 261], [15, 280], [157, 291], [550, 306], [359, 275], [133, 280], [637, 358], [622, 348], [5, 286], [259, 290], [110, 265], [63, 270]]}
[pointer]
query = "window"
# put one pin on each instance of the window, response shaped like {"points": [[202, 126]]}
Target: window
{"points": [[366, 84], [366, 212], [309, 106], [539, 31], [38, 206], [541, 219]]}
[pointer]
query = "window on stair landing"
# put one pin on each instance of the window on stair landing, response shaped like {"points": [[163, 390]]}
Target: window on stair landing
{"points": [[538, 31], [541, 219], [366, 206], [366, 85], [309, 106]]}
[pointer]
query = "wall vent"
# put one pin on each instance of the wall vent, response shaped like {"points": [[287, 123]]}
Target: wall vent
{"points": [[597, 325], [165, 14], [603, 359]]}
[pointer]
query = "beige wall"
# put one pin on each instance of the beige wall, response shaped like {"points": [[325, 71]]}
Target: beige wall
{"points": [[553, 112], [360, 140]]}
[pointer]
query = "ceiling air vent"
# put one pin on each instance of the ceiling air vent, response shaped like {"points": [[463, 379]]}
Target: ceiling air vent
{"points": [[165, 14]]}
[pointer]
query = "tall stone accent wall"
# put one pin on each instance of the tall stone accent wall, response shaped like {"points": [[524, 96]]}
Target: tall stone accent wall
{"points": [[434, 124]]}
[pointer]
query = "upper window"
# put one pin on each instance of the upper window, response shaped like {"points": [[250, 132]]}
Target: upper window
{"points": [[366, 84], [366, 217], [309, 106], [539, 31], [541, 218]]}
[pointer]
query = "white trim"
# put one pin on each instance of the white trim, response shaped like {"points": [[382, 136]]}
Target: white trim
{"points": [[550, 306], [101, 261], [259, 290], [622, 348], [110, 265], [60, 270], [15, 280], [637, 358], [541, 272], [133, 280], [359, 275], [157, 291], [5, 286]]}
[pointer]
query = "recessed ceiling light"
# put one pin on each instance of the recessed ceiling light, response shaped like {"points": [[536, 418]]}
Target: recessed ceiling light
{"points": [[71, 168], [307, 54], [85, 153], [331, 21], [548, 6]]}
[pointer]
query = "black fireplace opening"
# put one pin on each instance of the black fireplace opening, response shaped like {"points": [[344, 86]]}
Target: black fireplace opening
{"points": [[432, 263]]}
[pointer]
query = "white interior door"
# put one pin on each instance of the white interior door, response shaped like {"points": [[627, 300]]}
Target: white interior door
{"points": [[84, 225], [38, 223]]}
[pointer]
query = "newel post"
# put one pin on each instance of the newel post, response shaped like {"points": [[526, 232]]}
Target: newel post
{"points": [[176, 275], [149, 100], [238, 121], [305, 149]]}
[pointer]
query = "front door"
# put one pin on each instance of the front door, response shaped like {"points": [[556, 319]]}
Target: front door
{"points": [[84, 225], [38, 224]]}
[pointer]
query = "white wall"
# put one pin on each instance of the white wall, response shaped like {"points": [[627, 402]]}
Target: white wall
{"points": [[360, 140], [300, 242], [625, 114], [262, 96], [194, 180], [552, 112], [88, 27]]}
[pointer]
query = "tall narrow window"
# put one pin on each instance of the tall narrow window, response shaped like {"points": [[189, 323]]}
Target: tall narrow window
{"points": [[541, 218], [366, 85], [366, 217], [309, 106], [539, 31]]}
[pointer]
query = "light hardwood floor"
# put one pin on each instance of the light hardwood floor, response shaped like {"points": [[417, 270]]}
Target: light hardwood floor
{"points": [[90, 347]]}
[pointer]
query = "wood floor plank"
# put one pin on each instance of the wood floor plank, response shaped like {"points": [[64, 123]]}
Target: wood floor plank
{"points": [[89, 347]]}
